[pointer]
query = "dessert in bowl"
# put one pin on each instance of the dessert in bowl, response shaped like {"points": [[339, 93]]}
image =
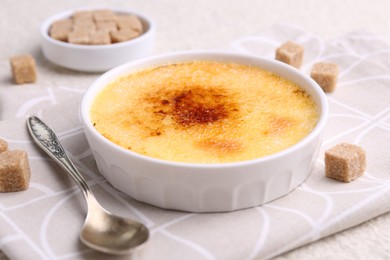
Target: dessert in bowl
{"points": [[204, 131]]}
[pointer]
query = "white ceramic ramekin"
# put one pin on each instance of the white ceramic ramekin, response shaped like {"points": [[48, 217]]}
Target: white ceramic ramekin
{"points": [[96, 58], [205, 187]]}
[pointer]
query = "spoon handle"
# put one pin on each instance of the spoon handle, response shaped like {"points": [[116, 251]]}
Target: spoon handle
{"points": [[48, 141]]}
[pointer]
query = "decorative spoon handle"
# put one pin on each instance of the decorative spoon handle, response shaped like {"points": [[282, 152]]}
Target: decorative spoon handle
{"points": [[48, 141]]}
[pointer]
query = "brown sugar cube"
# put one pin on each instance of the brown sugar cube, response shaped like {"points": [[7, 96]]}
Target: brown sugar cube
{"points": [[14, 171], [78, 37], [99, 38], [124, 35], [60, 34], [84, 26], [63, 23], [325, 74], [104, 16], [85, 23], [108, 26], [3, 145], [290, 53], [129, 22], [345, 162], [60, 29], [23, 69], [83, 16]]}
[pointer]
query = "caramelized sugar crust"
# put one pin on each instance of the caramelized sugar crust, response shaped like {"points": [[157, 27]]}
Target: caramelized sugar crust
{"points": [[204, 112]]}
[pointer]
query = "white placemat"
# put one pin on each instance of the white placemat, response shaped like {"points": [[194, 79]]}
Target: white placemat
{"points": [[44, 221]]}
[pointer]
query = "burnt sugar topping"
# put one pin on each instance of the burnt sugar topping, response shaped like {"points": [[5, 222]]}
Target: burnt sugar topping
{"points": [[193, 105], [198, 106], [204, 112]]}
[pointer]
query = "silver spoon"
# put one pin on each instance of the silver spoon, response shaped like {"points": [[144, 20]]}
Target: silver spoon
{"points": [[102, 230]]}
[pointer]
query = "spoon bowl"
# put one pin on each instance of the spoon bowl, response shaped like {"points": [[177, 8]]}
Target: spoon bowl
{"points": [[102, 230], [111, 234]]}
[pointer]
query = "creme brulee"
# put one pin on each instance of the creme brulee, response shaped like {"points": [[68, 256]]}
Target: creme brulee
{"points": [[204, 112]]}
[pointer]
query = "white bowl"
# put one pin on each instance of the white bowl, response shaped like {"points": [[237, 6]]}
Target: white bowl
{"points": [[205, 187], [96, 58]]}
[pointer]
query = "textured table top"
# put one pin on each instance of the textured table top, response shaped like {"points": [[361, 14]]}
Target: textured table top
{"points": [[206, 24]]}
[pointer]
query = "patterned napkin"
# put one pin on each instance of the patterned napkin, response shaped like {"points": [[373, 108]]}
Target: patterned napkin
{"points": [[44, 221]]}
